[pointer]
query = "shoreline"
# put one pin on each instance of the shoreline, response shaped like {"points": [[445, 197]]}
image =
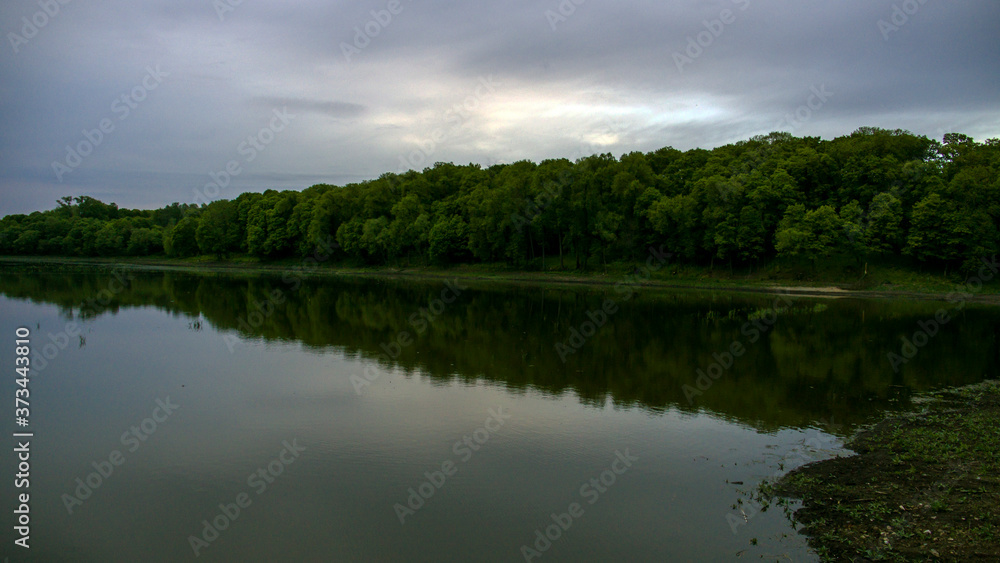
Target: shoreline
{"points": [[826, 289], [923, 485]]}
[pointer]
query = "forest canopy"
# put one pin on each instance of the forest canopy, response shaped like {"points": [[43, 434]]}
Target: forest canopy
{"points": [[873, 193]]}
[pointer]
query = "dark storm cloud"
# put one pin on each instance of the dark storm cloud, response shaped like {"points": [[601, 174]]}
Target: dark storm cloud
{"points": [[379, 86]]}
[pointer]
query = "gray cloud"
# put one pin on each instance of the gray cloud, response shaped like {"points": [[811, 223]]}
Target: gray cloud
{"points": [[329, 108], [605, 79]]}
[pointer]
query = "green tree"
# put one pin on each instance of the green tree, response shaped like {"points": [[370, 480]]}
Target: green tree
{"points": [[855, 227], [895, 191], [937, 232], [809, 234], [676, 219], [751, 234], [884, 232], [112, 237], [410, 227], [218, 229], [349, 237], [182, 240], [144, 242], [377, 241], [27, 242], [448, 240]]}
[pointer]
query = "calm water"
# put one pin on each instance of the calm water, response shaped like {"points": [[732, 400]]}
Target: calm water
{"points": [[377, 420]]}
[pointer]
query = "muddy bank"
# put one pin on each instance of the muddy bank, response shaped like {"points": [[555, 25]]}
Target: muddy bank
{"points": [[924, 486]]}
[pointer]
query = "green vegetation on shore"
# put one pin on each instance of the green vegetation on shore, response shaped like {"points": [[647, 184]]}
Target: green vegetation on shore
{"points": [[923, 487], [832, 277], [875, 197]]}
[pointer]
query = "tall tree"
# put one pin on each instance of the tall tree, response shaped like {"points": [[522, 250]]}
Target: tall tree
{"points": [[218, 229], [182, 240]]}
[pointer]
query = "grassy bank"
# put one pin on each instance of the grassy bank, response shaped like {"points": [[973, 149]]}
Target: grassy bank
{"points": [[923, 487], [834, 277]]}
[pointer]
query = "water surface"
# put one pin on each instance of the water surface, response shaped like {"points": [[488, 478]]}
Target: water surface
{"points": [[353, 396]]}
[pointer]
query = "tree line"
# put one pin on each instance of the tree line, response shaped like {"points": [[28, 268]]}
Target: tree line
{"points": [[873, 193]]}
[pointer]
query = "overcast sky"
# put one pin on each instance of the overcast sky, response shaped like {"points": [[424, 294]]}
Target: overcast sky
{"points": [[303, 92]]}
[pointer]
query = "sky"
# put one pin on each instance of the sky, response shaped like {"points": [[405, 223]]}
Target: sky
{"points": [[151, 102]]}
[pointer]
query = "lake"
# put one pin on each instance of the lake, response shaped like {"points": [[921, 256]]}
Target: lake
{"points": [[218, 417]]}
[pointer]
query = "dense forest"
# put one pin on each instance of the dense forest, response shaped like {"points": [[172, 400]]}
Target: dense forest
{"points": [[873, 193]]}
